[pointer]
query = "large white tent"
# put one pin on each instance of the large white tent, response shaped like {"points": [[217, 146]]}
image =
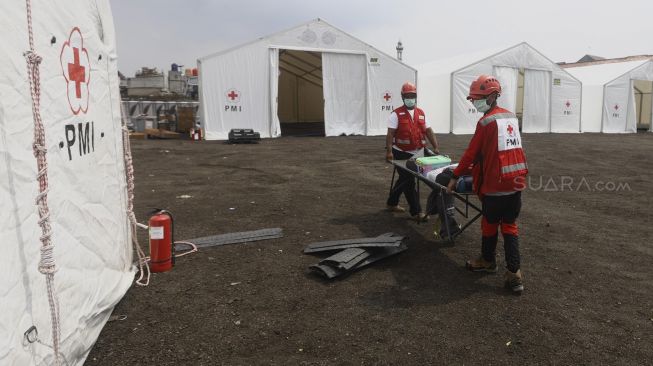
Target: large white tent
{"points": [[309, 73], [545, 97], [616, 95], [86, 185]]}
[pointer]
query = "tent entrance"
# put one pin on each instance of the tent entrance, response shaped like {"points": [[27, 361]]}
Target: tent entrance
{"points": [[301, 94], [642, 91]]}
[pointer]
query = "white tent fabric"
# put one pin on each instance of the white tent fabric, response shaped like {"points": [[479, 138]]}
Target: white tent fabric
{"points": [[344, 94], [239, 87], [453, 77], [608, 102], [536, 101], [80, 106], [508, 77]]}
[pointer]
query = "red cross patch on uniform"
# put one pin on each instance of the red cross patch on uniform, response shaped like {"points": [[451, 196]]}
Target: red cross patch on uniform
{"points": [[508, 134]]}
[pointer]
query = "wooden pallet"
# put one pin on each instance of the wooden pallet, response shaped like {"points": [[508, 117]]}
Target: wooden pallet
{"points": [[161, 134]]}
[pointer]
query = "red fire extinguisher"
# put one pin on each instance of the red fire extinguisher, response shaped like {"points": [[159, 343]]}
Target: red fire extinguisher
{"points": [[162, 248]]}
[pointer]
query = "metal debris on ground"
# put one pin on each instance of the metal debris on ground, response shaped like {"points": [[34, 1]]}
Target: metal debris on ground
{"points": [[384, 240], [354, 253], [240, 237]]}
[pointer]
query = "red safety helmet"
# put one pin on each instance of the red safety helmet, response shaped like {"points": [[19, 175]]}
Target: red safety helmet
{"points": [[484, 86], [408, 88]]}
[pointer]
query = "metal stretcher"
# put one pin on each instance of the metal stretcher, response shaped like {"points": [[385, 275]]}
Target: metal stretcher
{"points": [[463, 197]]}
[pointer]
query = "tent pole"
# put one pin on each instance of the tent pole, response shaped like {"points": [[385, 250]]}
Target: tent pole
{"points": [[550, 80], [451, 102], [580, 108]]}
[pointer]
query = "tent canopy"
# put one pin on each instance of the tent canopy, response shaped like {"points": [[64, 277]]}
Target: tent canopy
{"points": [[608, 94], [551, 96], [239, 87]]}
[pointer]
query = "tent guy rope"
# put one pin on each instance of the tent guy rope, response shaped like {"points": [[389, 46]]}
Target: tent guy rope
{"points": [[143, 267], [47, 264]]}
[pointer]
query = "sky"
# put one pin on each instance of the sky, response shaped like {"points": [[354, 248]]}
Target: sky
{"points": [[157, 33]]}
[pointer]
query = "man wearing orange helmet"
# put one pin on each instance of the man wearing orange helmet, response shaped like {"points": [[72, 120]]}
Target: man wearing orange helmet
{"points": [[408, 130], [498, 165]]}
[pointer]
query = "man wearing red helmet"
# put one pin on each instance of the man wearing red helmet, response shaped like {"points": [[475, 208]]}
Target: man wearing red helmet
{"points": [[408, 130], [499, 168]]}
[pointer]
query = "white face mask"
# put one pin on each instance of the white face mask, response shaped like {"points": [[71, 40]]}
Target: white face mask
{"points": [[481, 105], [410, 103]]}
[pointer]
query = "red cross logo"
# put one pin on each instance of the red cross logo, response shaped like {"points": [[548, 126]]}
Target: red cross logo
{"points": [[77, 73], [387, 96], [568, 104], [233, 96], [76, 70], [510, 130], [616, 107]]}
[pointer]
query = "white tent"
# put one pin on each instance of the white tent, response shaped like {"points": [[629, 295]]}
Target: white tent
{"points": [[311, 72], [616, 96], [545, 97], [87, 198]]}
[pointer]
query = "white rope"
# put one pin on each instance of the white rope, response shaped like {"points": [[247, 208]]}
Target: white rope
{"points": [[47, 264], [143, 267]]}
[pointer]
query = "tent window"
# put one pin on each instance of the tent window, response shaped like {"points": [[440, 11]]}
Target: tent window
{"points": [[519, 106], [643, 103], [301, 96]]}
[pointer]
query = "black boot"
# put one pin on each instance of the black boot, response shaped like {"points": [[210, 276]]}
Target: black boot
{"points": [[511, 248], [489, 247]]}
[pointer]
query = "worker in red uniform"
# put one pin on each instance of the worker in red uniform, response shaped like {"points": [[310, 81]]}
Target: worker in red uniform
{"points": [[499, 168], [408, 130]]}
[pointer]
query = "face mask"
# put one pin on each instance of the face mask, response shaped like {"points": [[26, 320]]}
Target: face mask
{"points": [[481, 105], [410, 103]]}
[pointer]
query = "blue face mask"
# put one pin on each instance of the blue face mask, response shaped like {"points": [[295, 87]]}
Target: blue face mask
{"points": [[481, 105], [410, 103]]}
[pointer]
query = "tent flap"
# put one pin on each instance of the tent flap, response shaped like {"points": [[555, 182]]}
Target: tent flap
{"points": [[344, 94], [537, 101], [508, 77]]}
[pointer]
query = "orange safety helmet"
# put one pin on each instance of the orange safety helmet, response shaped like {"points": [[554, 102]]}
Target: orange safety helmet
{"points": [[408, 88], [484, 86]]}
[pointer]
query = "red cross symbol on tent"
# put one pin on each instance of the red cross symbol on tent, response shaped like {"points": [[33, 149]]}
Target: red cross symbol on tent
{"points": [[387, 96], [616, 107], [568, 104], [76, 69], [510, 130], [233, 96]]}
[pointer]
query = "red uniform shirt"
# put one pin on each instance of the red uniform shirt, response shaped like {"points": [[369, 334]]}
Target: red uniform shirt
{"points": [[495, 155]]}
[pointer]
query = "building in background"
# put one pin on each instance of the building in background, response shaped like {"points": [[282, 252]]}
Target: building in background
{"points": [[149, 83]]}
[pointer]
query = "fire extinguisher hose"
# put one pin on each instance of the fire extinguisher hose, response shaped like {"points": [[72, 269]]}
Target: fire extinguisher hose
{"points": [[193, 249]]}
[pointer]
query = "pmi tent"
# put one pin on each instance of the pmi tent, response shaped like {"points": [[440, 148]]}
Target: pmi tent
{"points": [[545, 97], [311, 73], [86, 185], [616, 95]]}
